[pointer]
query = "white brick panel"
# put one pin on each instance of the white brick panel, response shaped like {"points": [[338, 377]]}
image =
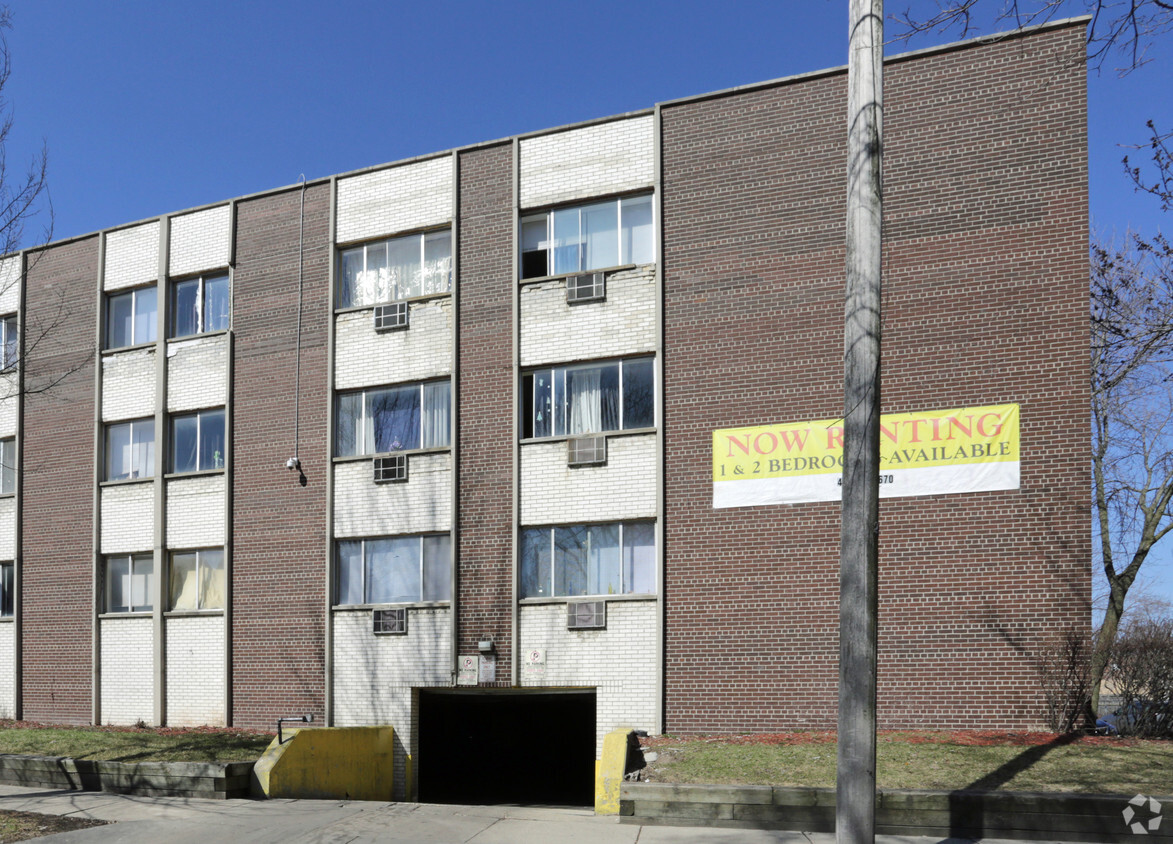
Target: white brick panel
{"points": [[128, 518], [9, 285], [132, 256], [197, 373], [195, 512], [7, 670], [200, 241], [620, 662], [624, 488], [9, 403], [128, 385], [374, 675], [128, 660], [195, 671], [623, 324], [423, 504], [364, 358], [382, 203], [7, 529], [591, 161]]}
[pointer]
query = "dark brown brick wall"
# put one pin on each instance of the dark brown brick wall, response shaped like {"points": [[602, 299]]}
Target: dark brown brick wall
{"points": [[485, 294], [985, 302], [57, 483], [279, 526]]}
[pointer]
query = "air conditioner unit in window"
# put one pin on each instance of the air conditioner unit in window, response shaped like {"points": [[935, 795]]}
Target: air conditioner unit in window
{"points": [[391, 469], [390, 622], [586, 451], [391, 317], [586, 615], [589, 287]]}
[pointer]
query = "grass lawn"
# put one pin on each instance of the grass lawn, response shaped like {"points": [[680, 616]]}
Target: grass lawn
{"points": [[945, 761], [132, 744]]}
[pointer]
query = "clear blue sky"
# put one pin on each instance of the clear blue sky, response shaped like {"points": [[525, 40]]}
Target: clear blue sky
{"points": [[151, 106]]}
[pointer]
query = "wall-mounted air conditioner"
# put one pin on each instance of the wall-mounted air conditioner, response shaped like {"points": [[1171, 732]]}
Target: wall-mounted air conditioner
{"points": [[586, 615], [391, 469], [389, 622], [586, 451], [588, 287], [391, 317]]}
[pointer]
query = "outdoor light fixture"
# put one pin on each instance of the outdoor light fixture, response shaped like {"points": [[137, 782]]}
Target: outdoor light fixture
{"points": [[303, 719], [485, 646]]}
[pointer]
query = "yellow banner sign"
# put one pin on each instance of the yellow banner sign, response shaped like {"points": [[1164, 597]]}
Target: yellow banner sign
{"points": [[925, 453]]}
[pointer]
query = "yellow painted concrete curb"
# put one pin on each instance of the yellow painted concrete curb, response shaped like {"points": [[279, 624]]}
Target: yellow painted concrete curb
{"points": [[328, 763], [609, 771]]}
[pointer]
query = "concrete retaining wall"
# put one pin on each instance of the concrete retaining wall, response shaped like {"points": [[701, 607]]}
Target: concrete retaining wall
{"points": [[216, 780], [1031, 816]]}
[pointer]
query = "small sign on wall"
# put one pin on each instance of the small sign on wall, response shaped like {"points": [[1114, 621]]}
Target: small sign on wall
{"points": [[466, 674], [533, 665], [488, 672]]}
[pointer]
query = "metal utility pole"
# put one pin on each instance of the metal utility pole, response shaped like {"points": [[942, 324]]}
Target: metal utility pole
{"points": [[855, 810]]}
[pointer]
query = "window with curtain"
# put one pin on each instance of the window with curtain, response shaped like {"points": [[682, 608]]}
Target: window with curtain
{"points": [[379, 420], [589, 398], [395, 269], [197, 441], [197, 579], [130, 450], [393, 570], [131, 317], [575, 560], [9, 348], [604, 234], [7, 466], [130, 581], [199, 305]]}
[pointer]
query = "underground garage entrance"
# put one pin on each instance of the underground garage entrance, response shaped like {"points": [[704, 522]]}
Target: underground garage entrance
{"points": [[506, 746]]}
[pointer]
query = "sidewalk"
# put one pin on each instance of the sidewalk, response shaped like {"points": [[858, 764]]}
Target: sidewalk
{"points": [[182, 820]]}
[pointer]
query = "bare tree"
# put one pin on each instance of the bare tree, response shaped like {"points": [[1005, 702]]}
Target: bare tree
{"points": [[1118, 27], [1160, 183], [1132, 418], [22, 194]]}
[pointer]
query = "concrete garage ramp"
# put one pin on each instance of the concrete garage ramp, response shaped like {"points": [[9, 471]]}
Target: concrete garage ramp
{"points": [[507, 747]]}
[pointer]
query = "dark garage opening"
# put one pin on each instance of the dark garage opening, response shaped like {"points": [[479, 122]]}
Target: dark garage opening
{"points": [[527, 748]]}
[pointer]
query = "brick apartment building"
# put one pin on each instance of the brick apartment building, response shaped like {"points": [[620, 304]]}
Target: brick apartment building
{"points": [[497, 372]]}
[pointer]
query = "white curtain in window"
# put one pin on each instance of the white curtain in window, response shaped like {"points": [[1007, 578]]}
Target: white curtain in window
{"points": [[600, 225], [584, 387], [144, 450], [435, 420]]}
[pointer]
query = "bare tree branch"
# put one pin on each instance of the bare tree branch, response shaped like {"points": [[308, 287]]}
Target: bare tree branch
{"points": [[1118, 27]]}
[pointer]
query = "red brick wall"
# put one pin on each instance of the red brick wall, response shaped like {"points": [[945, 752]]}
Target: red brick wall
{"points": [[279, 526], [57, 484], [985, 292], [485, 291]]}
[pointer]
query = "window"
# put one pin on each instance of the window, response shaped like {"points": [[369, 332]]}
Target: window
{"points": [[197, 579], [392, 419], [7, 466], [415, 265], [197, 441], [588, 237], [396, 570], [130, 580], [9, 349], [7, 585], [589, 398], [130, 318], [130, 450], [611, 559], [199, 305]]}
